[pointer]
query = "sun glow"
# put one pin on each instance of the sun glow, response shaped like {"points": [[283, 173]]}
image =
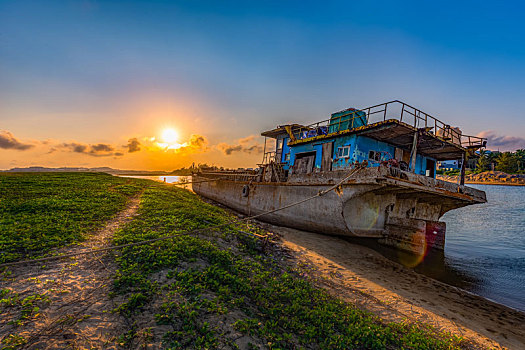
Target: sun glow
{"points": [[170, 136], [169, 140]]}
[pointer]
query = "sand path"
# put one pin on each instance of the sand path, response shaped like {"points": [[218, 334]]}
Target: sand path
{"points": [[76, 314], [395, 293]]}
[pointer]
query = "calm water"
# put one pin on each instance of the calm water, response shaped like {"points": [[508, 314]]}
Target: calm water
{"points": [[484, 250], [487, 243], [163, 178]]}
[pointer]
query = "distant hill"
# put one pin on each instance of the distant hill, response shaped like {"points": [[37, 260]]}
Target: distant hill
{"points": [[80, 169]]}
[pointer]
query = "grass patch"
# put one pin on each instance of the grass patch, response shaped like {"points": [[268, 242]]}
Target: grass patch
{"points": [[39, 211], [223, 289]]}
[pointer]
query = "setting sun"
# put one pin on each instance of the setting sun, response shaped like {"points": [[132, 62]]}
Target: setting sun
{"points": [[170, 140], [170, 136]]}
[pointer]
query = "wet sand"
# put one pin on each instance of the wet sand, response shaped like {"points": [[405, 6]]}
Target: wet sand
{"points": [[362, 276]]}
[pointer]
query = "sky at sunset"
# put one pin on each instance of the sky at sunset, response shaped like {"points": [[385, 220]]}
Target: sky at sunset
{"points": [[157, 85]]}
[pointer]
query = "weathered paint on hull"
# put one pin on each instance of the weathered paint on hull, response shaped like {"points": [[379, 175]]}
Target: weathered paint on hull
{"points": [[323, 214], [403, 213]]}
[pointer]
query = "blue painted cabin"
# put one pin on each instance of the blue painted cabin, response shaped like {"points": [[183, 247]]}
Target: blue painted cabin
{"points": [[339, 145]]}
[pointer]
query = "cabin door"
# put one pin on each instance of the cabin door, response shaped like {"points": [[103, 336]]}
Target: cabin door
{"points": [[431, 165], [403, 157], [326, 161], [304, 163]]}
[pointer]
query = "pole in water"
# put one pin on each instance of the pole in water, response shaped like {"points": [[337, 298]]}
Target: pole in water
{"points": [[164, 179]]}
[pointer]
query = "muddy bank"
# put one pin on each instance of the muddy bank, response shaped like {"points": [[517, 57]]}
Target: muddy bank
{"points": [[396, 293]]}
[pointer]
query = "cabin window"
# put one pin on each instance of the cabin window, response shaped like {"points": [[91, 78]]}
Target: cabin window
{"points": [[343, 152], [279, 144], [287, 157], [373, 155]]}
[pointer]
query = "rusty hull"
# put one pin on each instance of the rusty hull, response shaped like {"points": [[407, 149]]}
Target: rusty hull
{"points": [[400, 208]]}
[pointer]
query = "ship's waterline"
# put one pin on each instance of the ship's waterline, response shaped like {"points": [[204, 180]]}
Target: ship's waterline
{"points": [[371, 203]]}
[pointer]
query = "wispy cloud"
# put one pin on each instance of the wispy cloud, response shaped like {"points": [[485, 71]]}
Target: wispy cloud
{"points": [[194, 144], [247, 145], [96, 150], [501, 142], [229, 149], [8, 141]]}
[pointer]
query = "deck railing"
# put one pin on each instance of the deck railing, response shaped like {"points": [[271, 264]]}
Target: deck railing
{"points": [[236, 175], [269, 157], [389, 110]]}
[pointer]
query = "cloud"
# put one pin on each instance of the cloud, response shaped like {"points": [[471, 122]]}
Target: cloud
{"points": [[133, 145], [195, 144], [96, 150], [229, 149], [8, 141], [254, 149], [503, 143], [198, 141], [246, 145], [101, 147], [247, 139]]}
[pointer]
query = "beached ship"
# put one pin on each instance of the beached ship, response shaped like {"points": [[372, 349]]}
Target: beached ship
{"points": [[382, 162]]}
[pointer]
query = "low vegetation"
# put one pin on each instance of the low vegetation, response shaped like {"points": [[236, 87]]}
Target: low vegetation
{"points": [[227, 288], [39, 211]]}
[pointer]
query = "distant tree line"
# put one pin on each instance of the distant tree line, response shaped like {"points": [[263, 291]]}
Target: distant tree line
{"points": [[194, 168], [508, 162]]}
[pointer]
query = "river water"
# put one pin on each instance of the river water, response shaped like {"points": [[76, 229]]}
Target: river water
{"points": [[487, 244], [164, 178], [484, 248]]}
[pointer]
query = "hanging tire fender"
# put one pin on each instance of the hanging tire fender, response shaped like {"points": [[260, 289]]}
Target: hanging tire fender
{"points": [[245, 190]]}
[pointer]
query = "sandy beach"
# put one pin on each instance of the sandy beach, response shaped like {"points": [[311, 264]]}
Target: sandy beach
{"points": [[494, 183], [365, 278]]}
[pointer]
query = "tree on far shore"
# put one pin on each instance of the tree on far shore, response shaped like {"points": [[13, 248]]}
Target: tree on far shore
{"points": [[520, 157], [507, 162], [483, 163]]}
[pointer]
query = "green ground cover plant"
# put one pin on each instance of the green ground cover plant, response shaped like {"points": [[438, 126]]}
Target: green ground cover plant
{"points": [[227, 289], [39, 211]]}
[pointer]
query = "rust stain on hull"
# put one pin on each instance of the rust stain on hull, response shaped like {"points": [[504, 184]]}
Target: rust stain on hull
{"points": [[372, 205]]}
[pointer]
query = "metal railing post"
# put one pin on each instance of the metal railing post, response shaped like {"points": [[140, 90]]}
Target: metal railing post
{"points": [[264, 150]]}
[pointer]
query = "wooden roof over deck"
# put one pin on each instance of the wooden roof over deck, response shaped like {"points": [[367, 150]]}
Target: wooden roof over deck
{"points": [[281, 130], [401, 135]]}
